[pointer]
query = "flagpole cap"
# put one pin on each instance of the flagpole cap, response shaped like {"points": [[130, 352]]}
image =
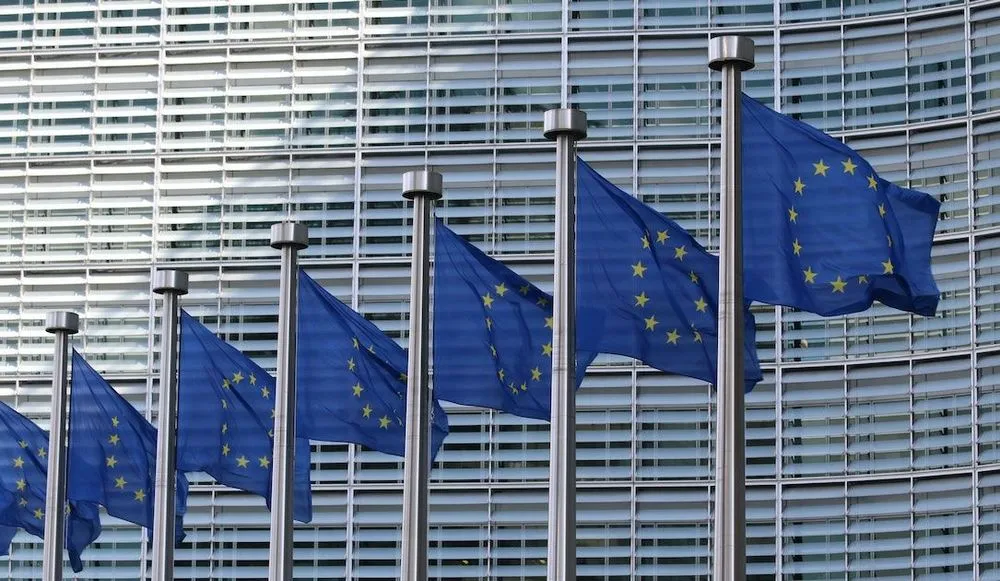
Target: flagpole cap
{"points": [[62, 322], [422, 183], [572, 122], [730, 50], [170, 281], [291, 234]]}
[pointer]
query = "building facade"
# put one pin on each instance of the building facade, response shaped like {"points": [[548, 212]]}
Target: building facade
{"points": [[137, 134]]}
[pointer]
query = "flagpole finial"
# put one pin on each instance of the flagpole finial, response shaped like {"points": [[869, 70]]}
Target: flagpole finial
{"points": [[572, 122], [738, 50], [170, 281], [62, 322], [289, 234], [422, 183]]}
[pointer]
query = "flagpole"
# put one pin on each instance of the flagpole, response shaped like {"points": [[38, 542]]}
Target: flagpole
{"points": [[62, 324], [289, 237], [731, 55], [172, 284], [565, 127], [423, 188]]}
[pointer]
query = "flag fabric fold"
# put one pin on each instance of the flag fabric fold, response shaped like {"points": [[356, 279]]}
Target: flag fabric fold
{"points": [[822, 232], [24, 457], [225, 421], [492, 333], [112, 452], [656, 286], [352, 377]]}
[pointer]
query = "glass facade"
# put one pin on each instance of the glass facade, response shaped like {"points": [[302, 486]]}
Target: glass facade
{"points": [[138, 134]]}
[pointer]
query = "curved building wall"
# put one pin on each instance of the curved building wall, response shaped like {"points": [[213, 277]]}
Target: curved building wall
{"points": [[142, 134]]}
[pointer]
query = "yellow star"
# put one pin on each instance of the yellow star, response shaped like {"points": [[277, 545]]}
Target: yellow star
{"points": [[697, 336], [889, 239], [501, 289], [18, 462], [809, 274], [21, 484], [371, 348], [42, 453], [542, 301], [384, 422], [354, 342], [701, 305], [265, 392], [493, 351], [638, 269], [849, 166], [820, 168], [641, 299], [39, 513], [270, 433], [792, 214], [547, 349], [662, 236], [120, 482], [800, 186], [114, 421], [679, 252], [881, 210], [111, 461], [225, 427], [225, 383], [501, 374], [253, 379], [23, 502], [225, 404], [114, 439], [536, 374], [524, 386], [367, 410], [264, 461], [489, 323], [872, 183], [23, 444], [796, 247], [242, 462], [402, 376], [524, 289], [839, 285], [357, 389], [651, 323], [140, 495], [351, 365], [272, 414], [548, 322], [887, 267], [488, 301], [226, 449], [862, 279], [693, 276], [237, 377], [673, 336], [645, 241]]}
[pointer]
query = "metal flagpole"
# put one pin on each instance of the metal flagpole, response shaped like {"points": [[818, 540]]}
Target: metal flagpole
{"points": [[424, 188], [732, 55], [62, 324], [565, 127], [289, 237], [172, 284]]}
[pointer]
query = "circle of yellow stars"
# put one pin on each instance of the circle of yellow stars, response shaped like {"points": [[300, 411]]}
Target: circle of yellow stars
{"points": [[358, 389], [700, 305], [516, 385], [234, 382], [111, 462]]}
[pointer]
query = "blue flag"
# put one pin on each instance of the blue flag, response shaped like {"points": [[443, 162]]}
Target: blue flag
{"points": [[225, 420], [24, 458], [352, 377], [6, 535], [658, 289], [112, 452], [492, 333], [821, 231]]}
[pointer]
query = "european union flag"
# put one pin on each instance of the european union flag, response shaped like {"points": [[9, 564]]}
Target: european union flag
{"points": [[352, 377], [6, 535], [492, 333], [112, 452], [225, 420], [821, 231], [24, 457], [658, 288]]}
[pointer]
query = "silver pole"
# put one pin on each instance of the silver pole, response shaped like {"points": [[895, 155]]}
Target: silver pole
{"points": [[566, 127], [62, 324], [423, 187], [732, 55], [289, 237], [172, 284]]}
